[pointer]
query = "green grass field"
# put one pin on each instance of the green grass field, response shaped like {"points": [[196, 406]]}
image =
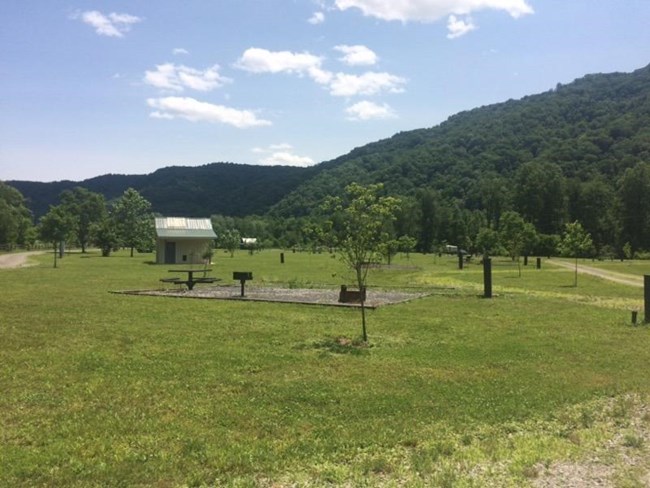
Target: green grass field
{"points": [[102, 389]]}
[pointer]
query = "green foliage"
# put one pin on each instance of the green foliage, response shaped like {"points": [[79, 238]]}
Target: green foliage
{"points": [[364, 216], [104, 235], [86, 208], [15, 218], [135, 222], [576, 243], [55, 227]]}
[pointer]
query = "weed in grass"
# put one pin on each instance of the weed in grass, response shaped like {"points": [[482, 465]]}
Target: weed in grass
{"points": [[530, 472], [343, 345], [633, 441]]}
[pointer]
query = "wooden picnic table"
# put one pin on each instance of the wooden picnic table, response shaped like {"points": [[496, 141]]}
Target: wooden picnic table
{"points": [[191, 280]]}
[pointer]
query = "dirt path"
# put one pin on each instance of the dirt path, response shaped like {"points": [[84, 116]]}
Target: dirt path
{"points": [[622, 278], [16, 260]]}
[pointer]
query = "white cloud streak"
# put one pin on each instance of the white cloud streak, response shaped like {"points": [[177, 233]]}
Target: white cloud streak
{"points": [[111, 25], [177, 78], [366, 110], [179, 50], [357, 55], [281, 154], [195, 111], [284, 158], [370, 83], [431, 10], [257, 60], [459, 27]]}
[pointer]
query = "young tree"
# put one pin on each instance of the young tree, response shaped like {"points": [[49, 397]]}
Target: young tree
{"points": [[511, 232], [363, 215], [576, 242], [229, 240], [132, 212], [55, 227], [406, 245]]}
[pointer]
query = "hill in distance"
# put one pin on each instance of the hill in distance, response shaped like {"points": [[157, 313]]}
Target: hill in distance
{"points": [[598, 125]]}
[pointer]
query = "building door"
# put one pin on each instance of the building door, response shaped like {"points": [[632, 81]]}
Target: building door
{"points": [[170, 252]]}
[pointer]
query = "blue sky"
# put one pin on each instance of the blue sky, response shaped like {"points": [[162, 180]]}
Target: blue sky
{"points": [[127, 87]]}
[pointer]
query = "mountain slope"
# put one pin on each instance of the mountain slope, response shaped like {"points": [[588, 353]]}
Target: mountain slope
{"points": [[217, 188], [599, 124]]}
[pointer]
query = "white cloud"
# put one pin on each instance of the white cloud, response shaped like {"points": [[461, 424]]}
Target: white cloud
{"points": [[357, 55], [366, 110], [459, 27], [370, 83], [111, 25], [196, 111], [257, 60], [180, 50], [281, 154], [317, 18], [174, 77], [284, 158], [431, 10]]}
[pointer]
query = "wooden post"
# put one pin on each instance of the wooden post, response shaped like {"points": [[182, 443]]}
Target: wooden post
{"points": [[539, 263], [487, 277], [646, 298], [634, 315], [525, 260], [460, 260], [281, 258]]}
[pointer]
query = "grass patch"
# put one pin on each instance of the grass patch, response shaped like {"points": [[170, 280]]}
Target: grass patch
{"points": [[105, 389]]}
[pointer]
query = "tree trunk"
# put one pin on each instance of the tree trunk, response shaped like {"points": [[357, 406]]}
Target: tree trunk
{"points": [[363, 319], [55, 253], [363, 304], [131, 251], [575, 278]]}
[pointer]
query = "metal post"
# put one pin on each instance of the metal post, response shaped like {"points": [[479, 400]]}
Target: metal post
{"points": [[242, 286], [646, 298], [487, 277]]}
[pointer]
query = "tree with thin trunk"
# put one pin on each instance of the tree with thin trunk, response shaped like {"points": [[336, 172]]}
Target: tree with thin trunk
{"points": [[576, 243], [55, 227], [363, 216]]}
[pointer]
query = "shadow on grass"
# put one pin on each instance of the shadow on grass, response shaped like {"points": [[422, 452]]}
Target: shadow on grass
{"points": [[343, 345]]}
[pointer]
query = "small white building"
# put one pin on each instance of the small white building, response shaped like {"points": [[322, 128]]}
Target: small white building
{"points": [[180, 240]]}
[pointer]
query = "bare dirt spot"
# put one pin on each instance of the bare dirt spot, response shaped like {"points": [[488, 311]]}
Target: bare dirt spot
{"points": [[622, 278], [16, 260], [315, 296]]}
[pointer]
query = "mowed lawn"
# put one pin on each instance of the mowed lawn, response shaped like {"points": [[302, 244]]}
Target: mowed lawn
{"points": [[102, 389]]}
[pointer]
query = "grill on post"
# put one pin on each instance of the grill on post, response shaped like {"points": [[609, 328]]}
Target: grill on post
{"points": [[242, 277]]}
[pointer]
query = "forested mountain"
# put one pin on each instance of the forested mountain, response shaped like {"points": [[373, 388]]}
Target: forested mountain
{"points": [[578, 152], [598, 125], [217, 188]]}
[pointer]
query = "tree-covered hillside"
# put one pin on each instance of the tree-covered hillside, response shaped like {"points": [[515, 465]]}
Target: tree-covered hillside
{"points": [[217, 188], [596, 126]]}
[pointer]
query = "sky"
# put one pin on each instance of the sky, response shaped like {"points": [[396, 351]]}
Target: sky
{"points": [[126, 87]]}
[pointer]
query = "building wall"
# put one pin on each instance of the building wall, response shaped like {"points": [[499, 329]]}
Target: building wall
{"points": [[188, 251]]}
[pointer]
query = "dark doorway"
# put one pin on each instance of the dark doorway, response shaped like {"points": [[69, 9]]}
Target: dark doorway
{"points": [[170, 252]]}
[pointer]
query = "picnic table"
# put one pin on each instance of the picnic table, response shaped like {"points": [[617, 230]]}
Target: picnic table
{"points": [[191, 280]]}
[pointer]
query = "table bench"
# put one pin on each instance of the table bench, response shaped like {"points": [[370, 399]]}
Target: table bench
{"points": [[191, 280]]}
